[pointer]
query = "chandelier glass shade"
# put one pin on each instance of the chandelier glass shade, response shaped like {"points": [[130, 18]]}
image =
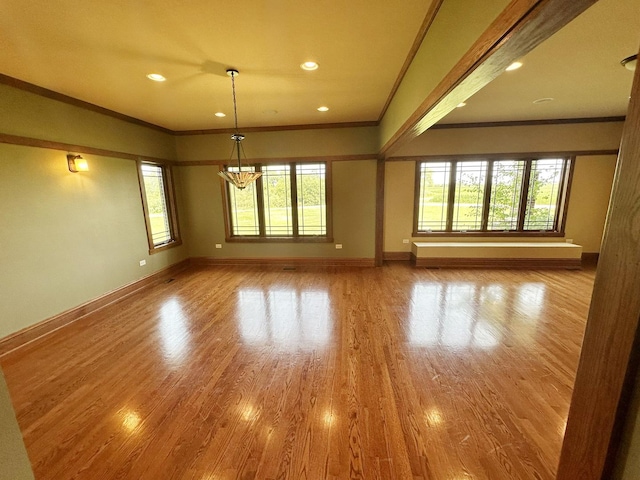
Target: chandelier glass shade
{"points": [[237, 177]]}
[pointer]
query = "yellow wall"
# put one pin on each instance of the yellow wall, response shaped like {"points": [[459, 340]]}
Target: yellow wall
{"points": [[591, 188], [455, 29]]}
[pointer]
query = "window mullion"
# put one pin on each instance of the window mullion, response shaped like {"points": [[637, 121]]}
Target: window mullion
{"points": [[260, 200], [293, 181], [452, 195], [488, 184], [562, 189], [269, 209], [166, 186], [526, 177], [417, 199]]}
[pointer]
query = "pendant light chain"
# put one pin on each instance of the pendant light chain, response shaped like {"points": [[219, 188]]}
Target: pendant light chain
{"points": [[239, 179], [235, 108]]}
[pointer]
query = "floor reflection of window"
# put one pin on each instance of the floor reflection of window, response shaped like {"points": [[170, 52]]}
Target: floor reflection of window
{"points": [[529, 306], [285, 317], [531, 300], [253, 317], [458, 315], [424, 321], [452, 316], [315, 320], [282, 306], [492, 304], [174, 332], [485, 335], [493, 296]]}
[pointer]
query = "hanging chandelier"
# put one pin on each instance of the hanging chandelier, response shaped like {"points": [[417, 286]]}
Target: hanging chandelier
{"points": [[239, 179]]}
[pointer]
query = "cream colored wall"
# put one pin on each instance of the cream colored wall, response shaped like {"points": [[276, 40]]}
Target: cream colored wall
{"points": [[591, 187], [69, 238], [589, 200], [353, 217], [455, 29]]}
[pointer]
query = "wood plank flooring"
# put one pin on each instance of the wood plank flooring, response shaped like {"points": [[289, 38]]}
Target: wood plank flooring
{"points": [[316, 373]]}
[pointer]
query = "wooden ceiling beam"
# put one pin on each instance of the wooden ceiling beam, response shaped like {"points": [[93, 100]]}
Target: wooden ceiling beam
{"points": [[523, 25]]}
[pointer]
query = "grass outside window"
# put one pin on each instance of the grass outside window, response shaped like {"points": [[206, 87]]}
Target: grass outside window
{"points": [[289, 202], [158, 204], [492, 197]]}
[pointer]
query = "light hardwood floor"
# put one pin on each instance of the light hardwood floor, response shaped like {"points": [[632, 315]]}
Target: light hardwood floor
{"points": [[317, 373]]}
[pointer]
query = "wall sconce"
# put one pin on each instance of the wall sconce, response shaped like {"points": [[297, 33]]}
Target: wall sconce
{"points": [[77, 163]]}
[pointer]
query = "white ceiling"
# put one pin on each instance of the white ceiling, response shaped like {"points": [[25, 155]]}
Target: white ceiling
{"points": [[100, 52]]}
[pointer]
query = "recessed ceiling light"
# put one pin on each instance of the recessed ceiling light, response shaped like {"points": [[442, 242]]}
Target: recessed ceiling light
{"points": [[220, 114], [323, 109], [461, 104], [543, 100], [513, 66], [156, 77], [309, 66]]}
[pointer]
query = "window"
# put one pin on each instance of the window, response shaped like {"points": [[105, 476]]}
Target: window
{"points": [[158, 204], [492, 196], [289, 201]]}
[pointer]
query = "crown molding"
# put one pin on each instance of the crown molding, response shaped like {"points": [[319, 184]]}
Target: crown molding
{"points": [[311, 126], [526, 123], [44, 92], [60, 97], [70, 147], [501, 156]]}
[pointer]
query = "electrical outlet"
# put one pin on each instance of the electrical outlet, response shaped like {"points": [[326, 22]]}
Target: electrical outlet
{"points": [[568, 240], [338, 246], [405, 240], [143, 263], [218, 245]]}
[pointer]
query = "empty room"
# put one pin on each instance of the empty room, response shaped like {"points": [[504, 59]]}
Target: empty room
{"points": [[320, 240]]}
